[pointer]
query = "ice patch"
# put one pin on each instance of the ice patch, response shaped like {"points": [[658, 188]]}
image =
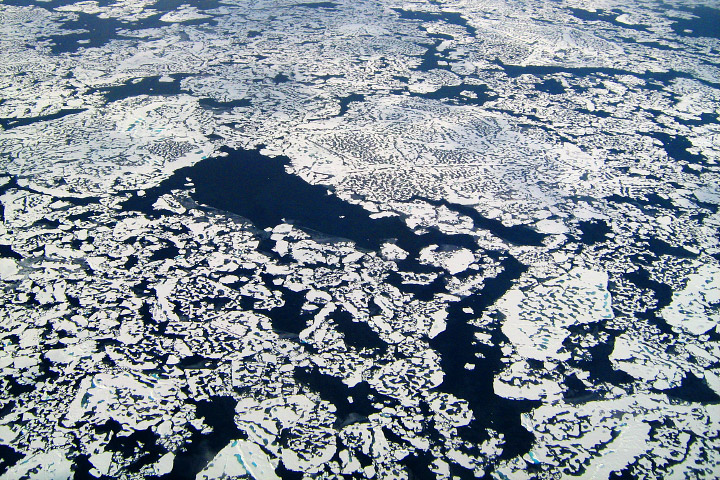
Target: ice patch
{"points": [[553, 227], [239, 458], [454, 261], [646, 362], [690, 309], [8, 269], [517, 382], [537, 321], [47, 465]]}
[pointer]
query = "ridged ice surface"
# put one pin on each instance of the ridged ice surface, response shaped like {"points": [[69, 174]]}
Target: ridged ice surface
{"points": [[359, 239]]}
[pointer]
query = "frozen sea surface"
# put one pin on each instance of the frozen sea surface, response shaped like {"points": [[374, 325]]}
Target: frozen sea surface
{"points": [[379, 239]]}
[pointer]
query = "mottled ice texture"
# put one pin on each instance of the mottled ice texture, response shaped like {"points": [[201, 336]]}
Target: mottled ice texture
{"points": [[51, 464], [694, 308], [606, 436], [237, 459], [552, 172], [8, 268], [646, 362], [537, 321]]}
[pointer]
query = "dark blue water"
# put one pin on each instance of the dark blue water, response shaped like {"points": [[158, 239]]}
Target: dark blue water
{"points": [[693, 389], [259, 189], [96, 31], [706, 23], [421, 292], [542, 70], [50, 5], [595, 113], [677, 147], [650, 204], [594, 231], [655, 45], [218, 413], [517, 234], [172, 5], [151, 86], [456, 347], [8, 123], [454, 18], [597, 361], [551, 86], [326, 5], [140, 440], [6, 251], [453, 94], [661, 294], [430, 59], [357, 334], [575, 389], [280, 78], [347, 100], [333, 390], [213, 104], [705, 119], [168, 251]]}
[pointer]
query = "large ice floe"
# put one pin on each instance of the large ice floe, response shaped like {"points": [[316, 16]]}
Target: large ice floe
{"points": [[291, 239]]}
